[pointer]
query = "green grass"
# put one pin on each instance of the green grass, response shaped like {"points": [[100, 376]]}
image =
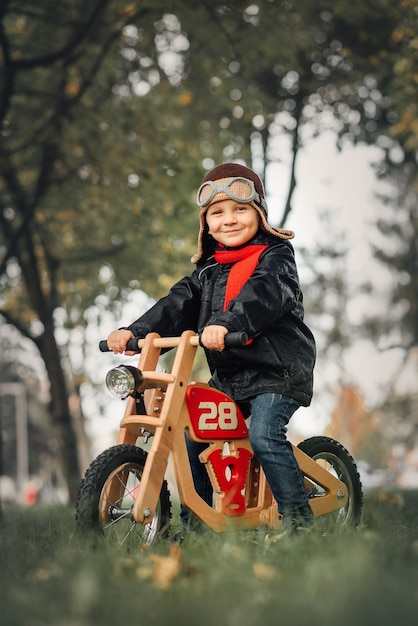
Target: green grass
{"points": [[51, 576]]}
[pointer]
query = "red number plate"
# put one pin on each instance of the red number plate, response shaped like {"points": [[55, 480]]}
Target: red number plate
{"points": [[214, 415]]}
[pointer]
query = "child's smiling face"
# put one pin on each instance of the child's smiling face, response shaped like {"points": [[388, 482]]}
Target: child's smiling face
{"points": [[232, 223]]}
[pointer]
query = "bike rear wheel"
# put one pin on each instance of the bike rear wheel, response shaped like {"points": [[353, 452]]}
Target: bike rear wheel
{"points": [[107, 494], [337, 460]]}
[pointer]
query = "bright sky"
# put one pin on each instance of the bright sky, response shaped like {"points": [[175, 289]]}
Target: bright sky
{"points": [[342, 182]]}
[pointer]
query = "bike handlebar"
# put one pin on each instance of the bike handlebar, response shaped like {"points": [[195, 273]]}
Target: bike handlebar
{"points": [[232, 340]]}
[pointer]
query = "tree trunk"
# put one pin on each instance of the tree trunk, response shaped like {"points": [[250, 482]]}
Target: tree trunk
{"points": [[65, 436], [43, 303], [295, 150]]}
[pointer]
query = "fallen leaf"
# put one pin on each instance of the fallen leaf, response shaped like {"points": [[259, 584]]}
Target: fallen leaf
{"points": [[394, 499], [166, 568], [264, 572], [45, 573]]}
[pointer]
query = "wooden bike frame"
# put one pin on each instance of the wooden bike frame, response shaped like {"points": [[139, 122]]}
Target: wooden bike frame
{"points": [[243, 498]]}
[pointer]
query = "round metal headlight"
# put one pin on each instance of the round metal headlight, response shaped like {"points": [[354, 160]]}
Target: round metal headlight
{"points": [[123, 380]]}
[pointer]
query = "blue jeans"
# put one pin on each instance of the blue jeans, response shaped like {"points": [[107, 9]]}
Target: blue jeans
{"points": [[270, 414]]}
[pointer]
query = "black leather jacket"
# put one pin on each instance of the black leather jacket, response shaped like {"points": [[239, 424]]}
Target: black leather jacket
{"points": [[269, 308]]}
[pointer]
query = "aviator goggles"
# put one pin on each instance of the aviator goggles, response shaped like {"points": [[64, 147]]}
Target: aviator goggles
{"points": [[238, 189]]}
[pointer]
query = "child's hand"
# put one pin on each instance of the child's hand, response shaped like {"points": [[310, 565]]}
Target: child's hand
{"points": [[213, 337], [117, 341]]}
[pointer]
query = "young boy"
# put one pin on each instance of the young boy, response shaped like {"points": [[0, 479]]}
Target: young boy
{"points": [[245, 280]]}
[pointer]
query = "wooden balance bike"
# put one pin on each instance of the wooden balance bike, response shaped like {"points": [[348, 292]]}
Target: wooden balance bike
{"points": [[124, 494]]}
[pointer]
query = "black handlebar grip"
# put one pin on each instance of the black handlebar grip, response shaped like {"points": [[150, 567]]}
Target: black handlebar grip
{"points": [[131, 345], [234, 340]]}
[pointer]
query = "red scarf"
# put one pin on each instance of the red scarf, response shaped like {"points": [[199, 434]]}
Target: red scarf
{"points": [[244, 263]]}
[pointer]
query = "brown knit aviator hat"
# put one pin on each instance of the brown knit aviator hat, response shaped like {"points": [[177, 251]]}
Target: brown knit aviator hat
{"points": [[248, 188]]}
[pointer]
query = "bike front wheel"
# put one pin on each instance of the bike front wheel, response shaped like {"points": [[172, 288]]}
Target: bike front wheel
{"points": [[333, 457], [107, 494]]}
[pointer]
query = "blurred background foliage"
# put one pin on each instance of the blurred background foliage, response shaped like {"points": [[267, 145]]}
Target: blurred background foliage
{"points": [[112, 111]]}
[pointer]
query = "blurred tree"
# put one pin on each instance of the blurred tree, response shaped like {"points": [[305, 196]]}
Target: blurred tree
{"points": [[389, 119], [357, 428], [58, 193]]}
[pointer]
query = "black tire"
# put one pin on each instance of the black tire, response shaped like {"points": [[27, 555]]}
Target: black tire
{"points": [[113, 519], [337, 460]]}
